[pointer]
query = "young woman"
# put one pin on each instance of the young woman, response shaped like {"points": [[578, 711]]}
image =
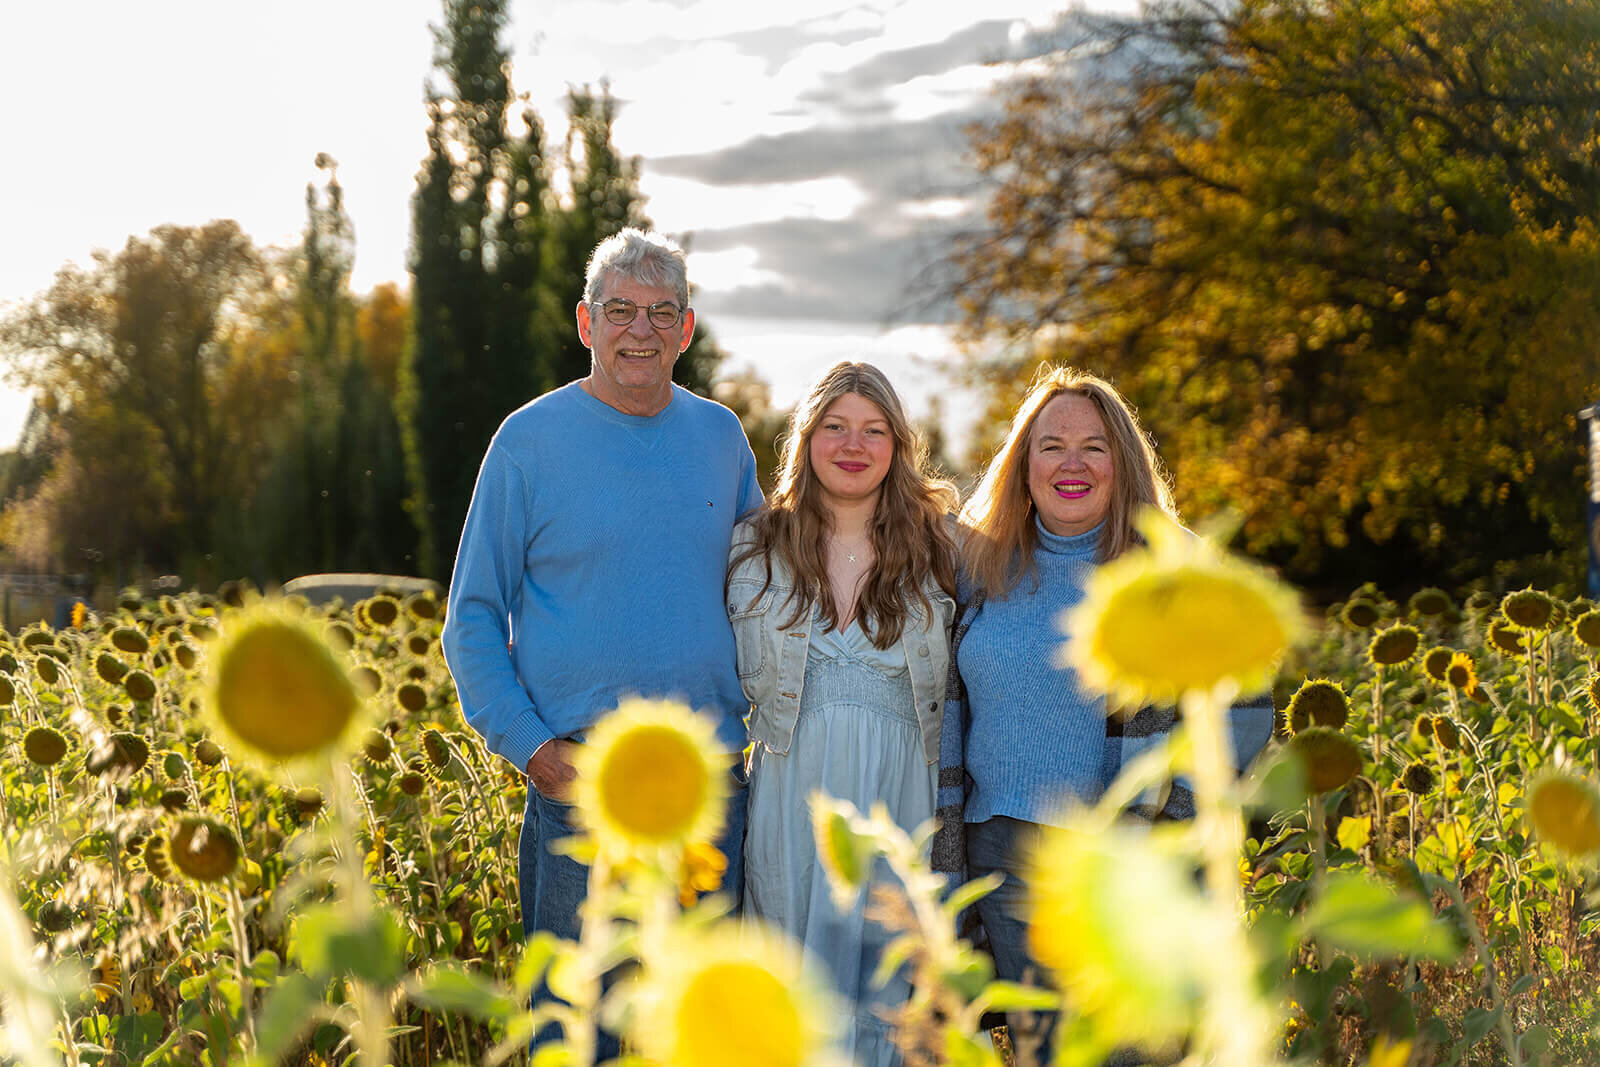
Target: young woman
{"points": [[841, 591]]}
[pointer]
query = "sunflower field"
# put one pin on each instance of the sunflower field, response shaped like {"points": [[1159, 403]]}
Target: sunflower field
{"points": [[198, 873]]}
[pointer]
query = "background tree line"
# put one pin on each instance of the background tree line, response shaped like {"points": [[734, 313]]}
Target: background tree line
{"points": [[1342, 253], [209, 407]]}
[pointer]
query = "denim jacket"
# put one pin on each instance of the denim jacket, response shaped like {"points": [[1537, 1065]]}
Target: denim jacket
{"points": [[772, 659]]}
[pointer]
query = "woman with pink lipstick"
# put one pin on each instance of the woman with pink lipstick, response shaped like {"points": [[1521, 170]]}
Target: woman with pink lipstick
{"points": [[841, 591], [1021, 739]]}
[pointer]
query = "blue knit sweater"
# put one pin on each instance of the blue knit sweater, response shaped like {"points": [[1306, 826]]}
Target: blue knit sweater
{"points": [[591, 567], [1035, 740], [1020, 737]]}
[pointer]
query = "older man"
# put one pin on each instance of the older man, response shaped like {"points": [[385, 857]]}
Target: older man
{"points": [[591, 564]]}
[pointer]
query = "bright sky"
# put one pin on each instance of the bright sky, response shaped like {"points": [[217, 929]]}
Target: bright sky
{"points": [[808, 149]]}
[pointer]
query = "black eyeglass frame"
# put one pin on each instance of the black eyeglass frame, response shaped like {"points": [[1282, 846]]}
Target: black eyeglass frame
{"points": [[618, 306]]}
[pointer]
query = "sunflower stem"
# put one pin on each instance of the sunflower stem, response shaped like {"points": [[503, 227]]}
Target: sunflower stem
{"points": [[593, 938], [1508, 1036], [1236, 1025]]}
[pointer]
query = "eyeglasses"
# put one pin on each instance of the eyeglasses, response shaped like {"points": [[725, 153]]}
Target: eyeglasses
{"points": [[663, 315]]}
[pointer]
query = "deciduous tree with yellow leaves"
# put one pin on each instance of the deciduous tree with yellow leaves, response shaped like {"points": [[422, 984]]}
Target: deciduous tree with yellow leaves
{"points": [[1342, 253]]}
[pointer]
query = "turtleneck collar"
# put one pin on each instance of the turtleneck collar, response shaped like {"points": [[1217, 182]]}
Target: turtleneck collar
{"points": [[1084, 544]]}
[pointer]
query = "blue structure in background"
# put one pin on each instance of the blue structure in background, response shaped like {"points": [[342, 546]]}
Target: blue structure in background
{"points": [[1591, 415]]}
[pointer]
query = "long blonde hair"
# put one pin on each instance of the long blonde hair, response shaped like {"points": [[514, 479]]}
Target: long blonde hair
{"points": [[911, 538], [1000, 515]]}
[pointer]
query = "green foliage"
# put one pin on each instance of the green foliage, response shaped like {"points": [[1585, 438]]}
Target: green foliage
{"points": [[1341, 255]]}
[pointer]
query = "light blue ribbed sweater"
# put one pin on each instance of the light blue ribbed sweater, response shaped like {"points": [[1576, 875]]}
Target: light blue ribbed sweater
{"points": [[1035, 739]]}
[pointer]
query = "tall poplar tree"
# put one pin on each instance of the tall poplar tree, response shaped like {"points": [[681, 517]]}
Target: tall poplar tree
{"points": [[477, 258]]}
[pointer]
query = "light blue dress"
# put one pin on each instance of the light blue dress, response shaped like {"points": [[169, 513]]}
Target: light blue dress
{"points": [[857, 739]]}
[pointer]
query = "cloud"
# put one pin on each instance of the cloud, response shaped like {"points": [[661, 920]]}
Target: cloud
{"points": [[891, 127]]}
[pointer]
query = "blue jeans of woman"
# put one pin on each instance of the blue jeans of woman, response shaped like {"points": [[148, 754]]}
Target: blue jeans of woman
{"points": [[1001, 844]]}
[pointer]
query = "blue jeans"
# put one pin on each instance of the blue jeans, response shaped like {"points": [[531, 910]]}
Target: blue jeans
{"points": [[1001, 844], [551, 886]]}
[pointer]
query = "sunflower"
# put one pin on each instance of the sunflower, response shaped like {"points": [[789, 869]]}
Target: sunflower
{"points": [[1436, 661], [1529, 609], [1318, 702], [1565, 811], [204, 849], [1328, 758], [731, 997], [1460, 673], [1430, 601], [1586, 628], [846, 855], [1360, 614], [651, 780], [1395, 645], [1176, 617], [275, 686], [1142, 982]]}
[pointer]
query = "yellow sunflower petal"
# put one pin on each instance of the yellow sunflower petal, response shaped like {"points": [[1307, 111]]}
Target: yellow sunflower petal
{"points": [[1177, 617]]}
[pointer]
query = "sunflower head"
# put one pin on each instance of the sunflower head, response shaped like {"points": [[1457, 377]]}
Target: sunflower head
{"points": [[1141, 982], [1528, 609], [1318, 702], [1591, 690], [139, 686], [1360, 614], [700, 872], [120, 753], [1565, 811], [1328, 758], [1430, 602], [1417, 778], [378, 612], [732, 997], [110, 669], [8, 690], [411, 697], [1507, 638], [1460, 673], [204, 849], [157, 857], [651, 780], [1446, 733], [1399, 825], [1394, 645], [130, 639], [44, 746], [1586, 628], [276, 687], [1177, 616], [46, 669], [1435, 660], [377, 746], [207, 752], [423, 606], [846, 855]]}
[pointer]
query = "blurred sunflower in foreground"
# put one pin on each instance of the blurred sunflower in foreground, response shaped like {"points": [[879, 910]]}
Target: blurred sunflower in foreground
{"points": [[651, 782], [734, 996], [1178, 616], [275, 686]]}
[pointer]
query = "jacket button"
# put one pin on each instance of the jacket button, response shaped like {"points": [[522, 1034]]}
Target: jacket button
{"points": [[923, 651], [934, 706]]}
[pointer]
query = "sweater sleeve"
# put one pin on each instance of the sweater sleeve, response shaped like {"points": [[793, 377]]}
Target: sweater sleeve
{"points": [[949, 855], [484, 590]]}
